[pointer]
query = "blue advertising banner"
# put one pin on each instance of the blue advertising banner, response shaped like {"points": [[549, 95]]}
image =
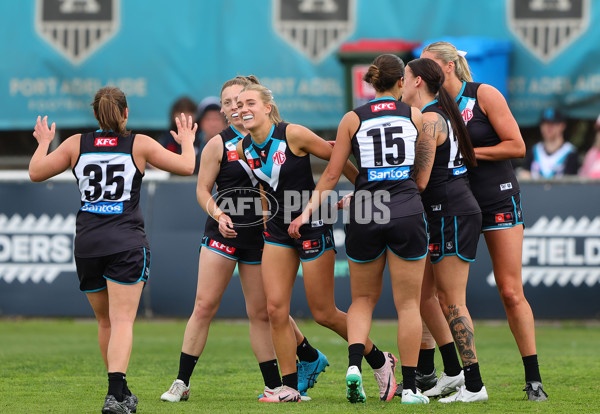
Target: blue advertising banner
{"points": [[57, 53], [561, 254]]}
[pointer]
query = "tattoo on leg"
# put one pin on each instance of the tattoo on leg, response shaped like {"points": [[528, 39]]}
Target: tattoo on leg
{"points": [[463, 334]]}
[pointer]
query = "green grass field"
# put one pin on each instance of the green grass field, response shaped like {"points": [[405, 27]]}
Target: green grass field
{"points": [[54, 366]]}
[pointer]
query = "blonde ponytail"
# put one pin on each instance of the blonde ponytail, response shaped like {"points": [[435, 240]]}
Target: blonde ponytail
{"points": [[447, 52]]}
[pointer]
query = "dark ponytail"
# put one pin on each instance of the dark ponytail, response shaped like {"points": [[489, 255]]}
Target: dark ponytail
{"points": [[384, 72], [432, 75]]}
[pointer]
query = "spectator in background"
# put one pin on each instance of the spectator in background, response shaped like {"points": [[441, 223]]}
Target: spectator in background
{"points": [[591, 162], [210, 118], [210, 122], [183, 105], [552, 157]]}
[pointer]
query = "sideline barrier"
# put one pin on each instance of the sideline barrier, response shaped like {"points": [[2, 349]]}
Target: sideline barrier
{"points": [[561, 253]]}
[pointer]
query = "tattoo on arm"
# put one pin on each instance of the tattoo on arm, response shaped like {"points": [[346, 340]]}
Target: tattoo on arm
{"points": [[438, 126], [426, 142], [463, 334]]}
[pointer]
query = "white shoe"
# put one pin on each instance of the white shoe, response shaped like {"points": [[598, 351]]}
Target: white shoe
{"points": [[268, 392], [281, 394], [446, 385], [385, 377], [178, 392], [304, 397], [354, 388], [464, 395], [409, 397]]}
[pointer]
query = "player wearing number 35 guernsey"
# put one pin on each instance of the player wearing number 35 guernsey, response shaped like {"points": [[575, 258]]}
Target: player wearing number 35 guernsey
{"points": [[110, 219], [111, 251]]}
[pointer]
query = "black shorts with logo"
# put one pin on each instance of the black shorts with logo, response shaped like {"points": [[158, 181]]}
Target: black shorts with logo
{"points": [[406, 237], [311, 244], [127, 268], [249, 256], [502, 214], [454, 236]]}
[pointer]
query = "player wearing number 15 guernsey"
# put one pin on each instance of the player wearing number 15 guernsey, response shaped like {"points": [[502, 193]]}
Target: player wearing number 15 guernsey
{"points": [[385, 149], [111, 251], [385, 137], [384, 146]]}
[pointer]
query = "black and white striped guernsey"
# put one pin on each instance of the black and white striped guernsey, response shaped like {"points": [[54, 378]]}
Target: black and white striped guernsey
{"points": [[491, 181], [238, 196], [110, 219], [282, 173], [448, 192], [384, 148]]}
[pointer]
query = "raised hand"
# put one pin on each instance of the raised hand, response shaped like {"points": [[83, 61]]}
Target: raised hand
{"points": [[186, 129], [41, 132]]}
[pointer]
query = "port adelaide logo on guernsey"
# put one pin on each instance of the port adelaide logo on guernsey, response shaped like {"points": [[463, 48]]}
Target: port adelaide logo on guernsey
{"points": [[77, 28]]}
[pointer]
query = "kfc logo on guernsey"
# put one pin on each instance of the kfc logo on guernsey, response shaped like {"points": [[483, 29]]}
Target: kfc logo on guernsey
{"points": [[106, 142], [383, 106]]}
